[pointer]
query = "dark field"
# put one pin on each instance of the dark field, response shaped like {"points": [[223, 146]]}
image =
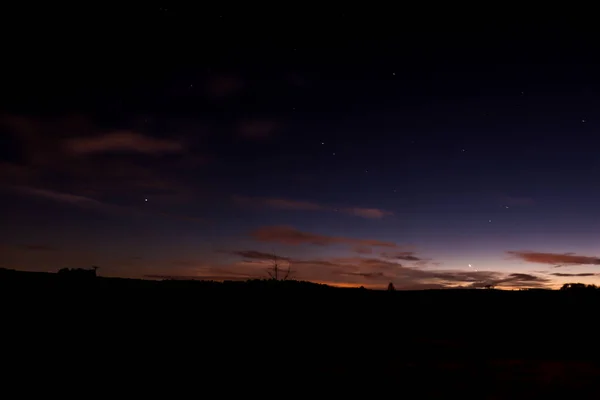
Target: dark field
{"points": [[286, 337]]}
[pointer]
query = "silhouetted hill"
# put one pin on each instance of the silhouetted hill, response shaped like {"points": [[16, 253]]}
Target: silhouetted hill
{"points": [[303, 332]]}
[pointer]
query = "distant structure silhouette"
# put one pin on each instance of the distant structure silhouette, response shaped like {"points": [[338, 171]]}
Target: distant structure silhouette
{"points": [[391, 287], [489, 287]]}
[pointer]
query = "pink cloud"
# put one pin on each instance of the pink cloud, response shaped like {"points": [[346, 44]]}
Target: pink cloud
{"points": [[122, 141], [292, 236], [371, 213], [300, 205], [555, 258]]}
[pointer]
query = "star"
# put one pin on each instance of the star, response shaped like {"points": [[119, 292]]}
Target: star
{"points": [[583, 120], [145, 199], [334, 154], [490, 220], [505, 206], [322, 142], [470, 266], [463, 150], [393, 73]]}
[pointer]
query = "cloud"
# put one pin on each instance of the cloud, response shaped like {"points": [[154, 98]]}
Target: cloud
{"points": [[300, 205], [358, 271], [514, 280], [90, 203], [53, 155], [372, 213], [403, 255], [258, 255], [368, 275], [292, 236], [363, 250], [257, 129], [122, 141], [580, 274], [61, 197], [224, 85], [38, 247], [283, 204], [555, 258]]}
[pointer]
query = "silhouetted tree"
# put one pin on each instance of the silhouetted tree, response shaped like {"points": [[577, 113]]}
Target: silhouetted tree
{"points": [[391, 287], [578, 286], [277, 273], [489, 286]]}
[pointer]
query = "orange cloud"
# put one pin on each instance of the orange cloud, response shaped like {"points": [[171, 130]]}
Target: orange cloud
{"points": [[554, 258], [290, 235], [363, 250], [122, 141]]}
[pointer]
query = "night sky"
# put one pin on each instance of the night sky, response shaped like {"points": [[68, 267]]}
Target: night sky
{"points": [[172, 143]]}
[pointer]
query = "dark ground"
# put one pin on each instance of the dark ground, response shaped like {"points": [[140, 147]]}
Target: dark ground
{"points": [[287, 337]]}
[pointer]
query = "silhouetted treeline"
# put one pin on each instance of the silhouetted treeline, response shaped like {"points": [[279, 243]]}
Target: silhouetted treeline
{"points": [[578, 287], [299, 330]]}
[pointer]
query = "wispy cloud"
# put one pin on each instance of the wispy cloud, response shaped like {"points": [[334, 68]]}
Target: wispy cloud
{"points": [[282, 204], [258, 255], [38, 247], [372, 213], [292, 236], [301, 205], [224, 85], [580, 274], [556, 259], [401, 255], [362, 250], [122, 141], [61, 197], [513, 280], [257, 129], [90, 203]]}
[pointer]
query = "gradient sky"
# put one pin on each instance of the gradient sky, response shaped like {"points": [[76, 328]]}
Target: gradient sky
{"points": [[426, 159]]}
